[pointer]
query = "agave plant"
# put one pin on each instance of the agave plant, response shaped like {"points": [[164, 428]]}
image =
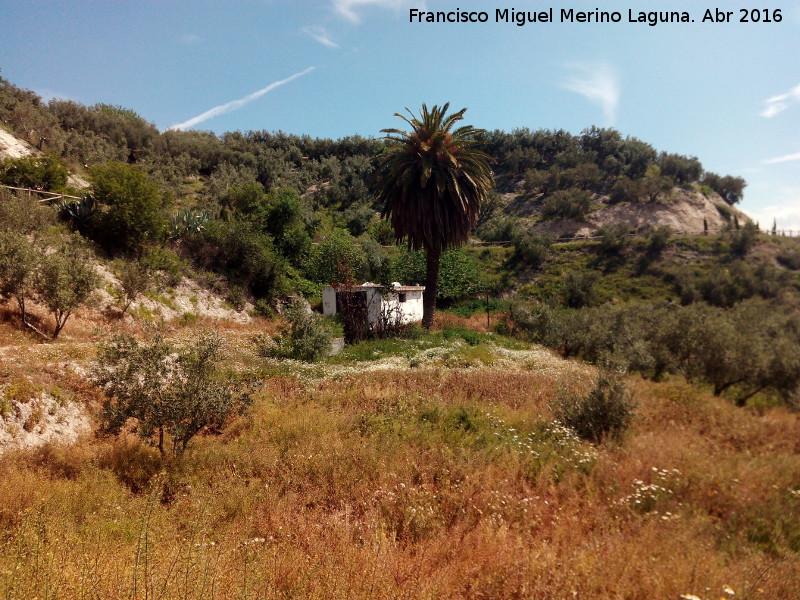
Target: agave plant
{"points": [[77, 212], [189, 220]]}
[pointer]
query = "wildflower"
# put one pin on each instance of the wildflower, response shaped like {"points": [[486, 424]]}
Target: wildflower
{"points": [[728, 590], [690, 597]]}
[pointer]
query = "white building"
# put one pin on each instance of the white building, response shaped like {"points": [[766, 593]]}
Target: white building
{"points": [[397, 305]]}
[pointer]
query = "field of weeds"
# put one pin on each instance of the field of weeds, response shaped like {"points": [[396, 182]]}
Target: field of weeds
{"points": [[430, 469]]}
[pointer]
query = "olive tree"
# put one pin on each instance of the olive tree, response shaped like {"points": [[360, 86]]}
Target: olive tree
{"points": [[64, 280], [18, 263], [171, 393]]}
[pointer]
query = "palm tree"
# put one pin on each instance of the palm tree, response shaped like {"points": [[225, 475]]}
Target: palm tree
{"points": [[432, 182]]}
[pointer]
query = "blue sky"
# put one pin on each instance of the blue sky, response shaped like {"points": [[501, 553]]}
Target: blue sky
{"points": [[728, 93]]}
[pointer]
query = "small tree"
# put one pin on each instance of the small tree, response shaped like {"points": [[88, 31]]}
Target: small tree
{"points": [[169, 392], [130, 207], [64, 281], [305, 336], [18, 263], [605, 412], [134, 279]]}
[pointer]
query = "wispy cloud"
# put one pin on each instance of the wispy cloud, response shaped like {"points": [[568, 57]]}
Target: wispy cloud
{"points": [[349, 9], [782, 159], [320, 35], [777, 104], [237, 104], [598, 83]]}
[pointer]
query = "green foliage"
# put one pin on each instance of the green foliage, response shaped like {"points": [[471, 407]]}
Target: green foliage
{"points": [[18, 264], [459, 275], [614, 238], [64, 280], [166, 390], [242, 254], [744, 350], [604, 412], [337, 259], [658, 238], [579, 288], [129, 203], [283, 220], [381, 231], [305, 336], [134, 280], [567, 204], [21, 214], [38, 173], [531, 246], [742, 240], [78, 213], [164, 265], [188, 220], [730, 188]]}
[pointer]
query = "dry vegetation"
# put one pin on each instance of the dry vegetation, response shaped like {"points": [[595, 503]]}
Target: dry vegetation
{"points": [[426, 482]]}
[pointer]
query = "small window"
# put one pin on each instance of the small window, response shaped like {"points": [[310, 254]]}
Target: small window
{"points": [[401, 296]]}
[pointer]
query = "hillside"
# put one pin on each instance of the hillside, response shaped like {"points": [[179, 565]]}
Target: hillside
{"points": [[605, 407]]}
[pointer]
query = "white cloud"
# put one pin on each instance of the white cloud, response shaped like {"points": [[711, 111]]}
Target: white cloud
{"points": [[785, 212], [777, 104], [349, 9], [237, 104], [320, 35], [782, 159], [598, 83]]}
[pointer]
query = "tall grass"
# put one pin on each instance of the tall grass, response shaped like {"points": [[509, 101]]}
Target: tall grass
{"points": [[419, 483]]}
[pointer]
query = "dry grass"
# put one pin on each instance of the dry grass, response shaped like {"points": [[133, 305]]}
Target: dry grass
{"points": [[414, 483]]}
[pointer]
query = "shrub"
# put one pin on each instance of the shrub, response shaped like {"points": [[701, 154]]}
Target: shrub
{"points": [[305, 336], [532, 247], [129, 207], [604, 412], [613, 237], [241, 253], [567, 204], [578, 288], [44, 173], [24, 215], [337, 259], [167, 391], [134, 280], [743, 240], [657, 239]]}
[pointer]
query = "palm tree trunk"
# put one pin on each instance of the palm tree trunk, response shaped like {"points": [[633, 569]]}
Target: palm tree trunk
{"points": [[432, 257]]}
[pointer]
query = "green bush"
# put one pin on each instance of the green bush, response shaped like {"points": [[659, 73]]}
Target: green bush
{"points": [[337, 259], [614, 237], [567, 204], [129, 208], [459, 274], [305, 336], [244, 255], [579, 288], [531, 246], [605, 412], [44, 173]]}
